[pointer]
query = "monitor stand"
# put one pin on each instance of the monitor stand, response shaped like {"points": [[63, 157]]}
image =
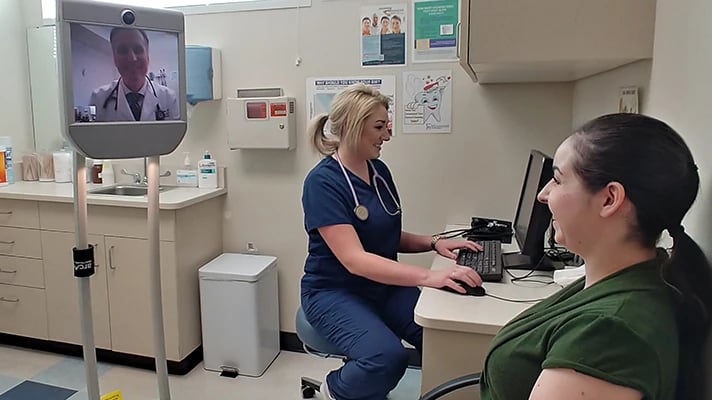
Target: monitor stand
{"points": [[520, 261], [516, 261]]}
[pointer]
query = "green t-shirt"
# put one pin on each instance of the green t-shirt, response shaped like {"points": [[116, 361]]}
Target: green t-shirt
{"points": [[621, 330]]}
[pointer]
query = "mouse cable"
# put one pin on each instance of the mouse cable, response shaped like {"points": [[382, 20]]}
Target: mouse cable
{"points": [[515, 300]]}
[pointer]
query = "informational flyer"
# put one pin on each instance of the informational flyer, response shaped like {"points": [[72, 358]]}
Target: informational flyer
{"points": [[427, 101], [383, 35], [628, 100], [435, 30], [321, 92]]}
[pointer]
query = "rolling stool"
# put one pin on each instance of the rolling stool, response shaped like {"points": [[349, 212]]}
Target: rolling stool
{"points": [[315, 344]]}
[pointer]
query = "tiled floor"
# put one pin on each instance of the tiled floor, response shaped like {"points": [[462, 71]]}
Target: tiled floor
{"points": [[32, 375]]}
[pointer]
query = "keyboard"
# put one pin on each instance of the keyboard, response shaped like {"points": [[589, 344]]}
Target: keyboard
{"points": [[487, 263]]}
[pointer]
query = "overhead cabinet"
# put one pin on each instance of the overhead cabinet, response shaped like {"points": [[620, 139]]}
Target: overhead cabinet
{"points": [[552, 40]]}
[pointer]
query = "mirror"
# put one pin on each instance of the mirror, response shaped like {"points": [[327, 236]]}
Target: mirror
{"points": [[44, 87]]}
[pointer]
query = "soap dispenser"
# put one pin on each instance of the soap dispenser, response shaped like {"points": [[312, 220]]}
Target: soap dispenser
{"points": [[187, 176], [207, 172]]}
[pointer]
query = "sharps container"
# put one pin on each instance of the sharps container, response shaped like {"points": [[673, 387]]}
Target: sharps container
{"points": [[239, 303]]}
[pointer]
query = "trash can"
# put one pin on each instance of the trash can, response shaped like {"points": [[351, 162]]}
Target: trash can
{"points": [[239, 304]]}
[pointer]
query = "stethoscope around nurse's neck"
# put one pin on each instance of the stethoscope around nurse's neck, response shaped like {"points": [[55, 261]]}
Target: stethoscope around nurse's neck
{"points": [[360, 210], [114, 95]]}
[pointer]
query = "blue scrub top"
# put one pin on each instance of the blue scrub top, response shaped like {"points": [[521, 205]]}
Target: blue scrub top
{"points": [[327, 200]]}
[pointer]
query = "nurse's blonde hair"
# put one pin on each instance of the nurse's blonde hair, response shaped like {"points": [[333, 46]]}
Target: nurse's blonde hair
{"points": [[349, 111]]}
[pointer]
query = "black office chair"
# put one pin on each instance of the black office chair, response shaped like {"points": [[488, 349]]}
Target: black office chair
{"points": [[451, 386]]}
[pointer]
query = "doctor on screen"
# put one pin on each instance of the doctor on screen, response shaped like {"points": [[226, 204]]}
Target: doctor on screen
{"points": [[133, 97]]}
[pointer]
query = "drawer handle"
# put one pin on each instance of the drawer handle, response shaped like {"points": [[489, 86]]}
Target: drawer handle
{"points": [[5, 212], [111, 257], [7, 242], [96, 247], [5, 299], [12, 271]]}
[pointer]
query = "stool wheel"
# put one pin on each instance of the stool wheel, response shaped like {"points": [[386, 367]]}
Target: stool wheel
{"points": [[308, 392]]}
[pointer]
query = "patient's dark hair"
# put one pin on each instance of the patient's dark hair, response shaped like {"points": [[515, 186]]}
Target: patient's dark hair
{"points": [[660, 178]]}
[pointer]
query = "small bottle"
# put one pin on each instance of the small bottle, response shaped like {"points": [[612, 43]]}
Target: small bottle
{"points": [[96, 172], [107, 173], [187, 176], [207, 172]]}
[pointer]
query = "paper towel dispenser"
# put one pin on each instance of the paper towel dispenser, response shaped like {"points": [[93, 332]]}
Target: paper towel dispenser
{"points": [[203, 74]]}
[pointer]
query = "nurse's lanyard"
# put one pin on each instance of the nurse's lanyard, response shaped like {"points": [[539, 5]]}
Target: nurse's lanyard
{"points": [[360, 210]]}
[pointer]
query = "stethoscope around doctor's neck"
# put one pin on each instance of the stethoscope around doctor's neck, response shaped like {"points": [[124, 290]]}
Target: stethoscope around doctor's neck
{"points": [[114, 95], [360, 210]]}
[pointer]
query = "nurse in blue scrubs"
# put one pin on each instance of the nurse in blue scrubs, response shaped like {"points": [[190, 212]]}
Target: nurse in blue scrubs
{"points": [[354, 291]]}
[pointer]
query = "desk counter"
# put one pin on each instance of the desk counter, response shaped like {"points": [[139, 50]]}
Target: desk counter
{"points": [[458, 329]]}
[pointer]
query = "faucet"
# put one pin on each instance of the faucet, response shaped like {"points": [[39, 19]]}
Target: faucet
{"points": [[137, 179]]}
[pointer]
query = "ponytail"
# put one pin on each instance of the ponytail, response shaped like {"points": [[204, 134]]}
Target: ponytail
{"points": [[688, 273], [323, 144]]}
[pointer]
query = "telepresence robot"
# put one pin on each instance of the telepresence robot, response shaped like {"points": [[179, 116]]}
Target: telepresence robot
{"points": [[104, 55]]}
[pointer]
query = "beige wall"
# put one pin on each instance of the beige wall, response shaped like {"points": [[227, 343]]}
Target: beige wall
{"points": [[15, 106], [679, 94], [476, 170], [598, 95]]}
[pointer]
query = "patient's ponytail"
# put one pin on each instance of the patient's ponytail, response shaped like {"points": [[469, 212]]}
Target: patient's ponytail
{"points": [[688, 273]]}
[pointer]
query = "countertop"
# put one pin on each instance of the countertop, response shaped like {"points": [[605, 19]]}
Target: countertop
{"points": [[170, 198]]}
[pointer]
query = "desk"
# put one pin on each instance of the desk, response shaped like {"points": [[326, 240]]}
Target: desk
{"points": [[457, 329]]}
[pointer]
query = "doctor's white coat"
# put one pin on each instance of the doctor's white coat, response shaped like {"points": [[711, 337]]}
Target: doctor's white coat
{"points": [[165, 98]]}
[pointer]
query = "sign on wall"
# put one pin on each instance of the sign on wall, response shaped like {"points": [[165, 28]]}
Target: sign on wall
{"points": [[427, 101]]}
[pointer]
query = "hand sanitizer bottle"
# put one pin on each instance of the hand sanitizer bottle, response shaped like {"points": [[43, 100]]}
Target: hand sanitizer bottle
{"points": [[207, 172], [188, 176]]}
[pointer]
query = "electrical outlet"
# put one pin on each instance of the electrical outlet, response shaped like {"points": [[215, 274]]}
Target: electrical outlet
{"points": [[250, 248]]}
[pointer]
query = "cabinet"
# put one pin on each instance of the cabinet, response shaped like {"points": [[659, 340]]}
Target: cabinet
{"points": [[63, 290], [39, 294], [23, 307], [552, 40]]}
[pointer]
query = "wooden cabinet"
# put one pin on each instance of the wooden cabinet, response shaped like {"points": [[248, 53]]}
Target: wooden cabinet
{"points": [[552, 40], [39, 295]]}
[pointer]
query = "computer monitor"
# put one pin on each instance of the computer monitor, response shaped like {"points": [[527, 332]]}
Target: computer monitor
{"points": [[123, 78], [532, 218]]}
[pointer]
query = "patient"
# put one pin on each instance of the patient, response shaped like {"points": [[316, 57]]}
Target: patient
{"points": [[634, 326]]}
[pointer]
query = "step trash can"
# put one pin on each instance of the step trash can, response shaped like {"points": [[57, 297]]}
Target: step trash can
{"points": [[239, 304]]}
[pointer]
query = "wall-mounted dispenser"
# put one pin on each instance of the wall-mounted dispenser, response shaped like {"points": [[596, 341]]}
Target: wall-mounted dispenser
{"points": [[203, 74], [261, 119]]}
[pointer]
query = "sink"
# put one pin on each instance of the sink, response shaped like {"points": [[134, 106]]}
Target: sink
{"points": [[125, 190]]}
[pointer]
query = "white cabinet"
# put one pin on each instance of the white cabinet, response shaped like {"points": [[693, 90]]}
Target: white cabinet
{"points": [[552, 40], [63, 290], [39, 294], [23, 309]]}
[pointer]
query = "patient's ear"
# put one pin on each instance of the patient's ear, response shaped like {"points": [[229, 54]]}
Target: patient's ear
{"points": [[611, 198]]}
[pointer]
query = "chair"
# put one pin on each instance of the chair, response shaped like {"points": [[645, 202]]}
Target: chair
{"points": [[451, 386], [313, 343]]}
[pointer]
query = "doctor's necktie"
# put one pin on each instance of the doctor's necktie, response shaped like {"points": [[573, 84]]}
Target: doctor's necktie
{"points": [[135, 101]]}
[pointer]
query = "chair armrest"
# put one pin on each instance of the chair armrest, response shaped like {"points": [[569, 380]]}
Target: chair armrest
{"points": [[451, 386]]}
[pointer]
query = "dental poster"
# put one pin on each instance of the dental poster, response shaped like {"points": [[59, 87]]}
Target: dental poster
{"points": [[321, 91], [435, 30], [427, 101], [383, 35]]}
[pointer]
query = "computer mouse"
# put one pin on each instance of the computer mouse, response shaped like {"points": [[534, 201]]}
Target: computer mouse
{"points": [[469, 290]]}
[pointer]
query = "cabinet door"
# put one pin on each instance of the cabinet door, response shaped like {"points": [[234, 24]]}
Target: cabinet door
{"points": [[130, 294], [63, 290]]}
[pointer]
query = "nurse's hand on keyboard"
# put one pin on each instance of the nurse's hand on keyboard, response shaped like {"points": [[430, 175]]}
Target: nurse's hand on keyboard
{"points": [[446, 247], [447, 277]]}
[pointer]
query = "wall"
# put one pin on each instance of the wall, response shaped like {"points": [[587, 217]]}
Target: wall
{"points": [[448, 178], [679, 94], [598, 94], [15, 106]]}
